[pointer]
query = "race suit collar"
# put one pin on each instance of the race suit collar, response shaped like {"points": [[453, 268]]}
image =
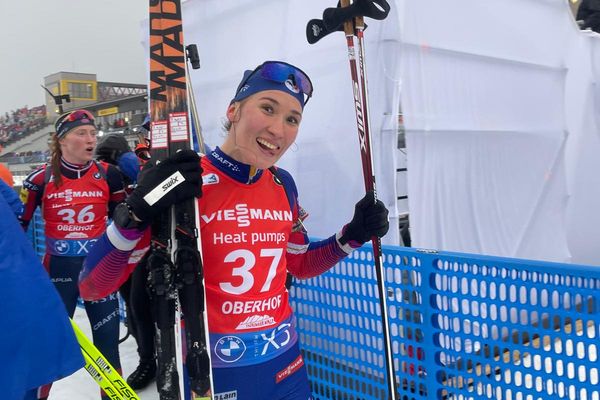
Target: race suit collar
{"points": [[239, 171], [74, 171]]}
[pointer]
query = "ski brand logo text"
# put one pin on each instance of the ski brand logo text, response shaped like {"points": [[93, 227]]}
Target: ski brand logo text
{"points": [[243, 215], [171, 182], [163, 188]]}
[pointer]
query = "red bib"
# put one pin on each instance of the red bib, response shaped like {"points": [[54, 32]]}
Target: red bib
{"points": [[245, 231], [75, 212]]}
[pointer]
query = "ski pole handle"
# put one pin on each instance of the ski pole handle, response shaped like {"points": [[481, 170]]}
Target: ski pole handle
{"points": [[335, 16], [348, 24]]}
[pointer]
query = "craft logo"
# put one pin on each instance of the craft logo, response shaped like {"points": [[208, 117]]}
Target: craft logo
{"points": [[223, 161], [229, 349]]}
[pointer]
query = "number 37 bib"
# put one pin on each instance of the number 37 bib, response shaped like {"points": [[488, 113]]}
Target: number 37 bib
{"points": [[245, 230]]}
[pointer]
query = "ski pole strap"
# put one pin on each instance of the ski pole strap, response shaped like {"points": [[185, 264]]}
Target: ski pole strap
{"points": [[333, 17], [316, 29]]}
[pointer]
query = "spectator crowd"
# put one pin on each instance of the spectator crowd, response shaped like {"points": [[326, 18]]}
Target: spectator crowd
{"points": [[21, 122]]}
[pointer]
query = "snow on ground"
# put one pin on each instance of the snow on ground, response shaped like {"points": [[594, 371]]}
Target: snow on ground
{"points": [[81, 386]]}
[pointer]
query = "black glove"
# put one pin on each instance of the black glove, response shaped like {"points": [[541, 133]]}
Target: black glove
{"points": [[169, 182], [370, 219]]}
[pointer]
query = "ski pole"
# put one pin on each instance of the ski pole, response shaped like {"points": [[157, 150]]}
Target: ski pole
{"points": [[191, 53], [353, 15], [366, 153]]}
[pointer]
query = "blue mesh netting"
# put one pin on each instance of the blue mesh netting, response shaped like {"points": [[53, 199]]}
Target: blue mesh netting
{"points": [[462, 326]]}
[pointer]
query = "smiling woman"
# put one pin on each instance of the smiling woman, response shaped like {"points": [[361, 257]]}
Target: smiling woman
{"points": [[253, 235], [77, 195]]}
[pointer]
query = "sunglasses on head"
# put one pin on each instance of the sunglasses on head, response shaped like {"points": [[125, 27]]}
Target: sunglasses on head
{"points": [[279, 71], [77, 115]]}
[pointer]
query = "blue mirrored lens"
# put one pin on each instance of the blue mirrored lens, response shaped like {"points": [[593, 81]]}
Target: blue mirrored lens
{"points": [[279, 72]]}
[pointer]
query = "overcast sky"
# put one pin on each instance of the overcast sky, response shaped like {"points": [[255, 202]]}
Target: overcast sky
{"points": [[41, 37]]}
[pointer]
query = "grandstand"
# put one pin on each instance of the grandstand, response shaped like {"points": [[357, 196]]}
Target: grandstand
{"points": [[119, 108], [27, 153]]}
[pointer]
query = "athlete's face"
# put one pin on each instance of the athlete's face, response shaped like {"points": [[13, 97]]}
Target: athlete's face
{"points": [[78, 144], [263, 127]]}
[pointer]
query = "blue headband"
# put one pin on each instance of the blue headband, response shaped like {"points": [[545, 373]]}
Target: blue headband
{"points": [[71, 120], [257, 83]]}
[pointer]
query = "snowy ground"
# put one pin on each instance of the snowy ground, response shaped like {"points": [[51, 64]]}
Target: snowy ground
{"points": [[81, 386]]}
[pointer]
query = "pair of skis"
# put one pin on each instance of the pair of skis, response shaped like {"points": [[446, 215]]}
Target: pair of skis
{"points": [[175, 264], [350, 18], [101, 371]]}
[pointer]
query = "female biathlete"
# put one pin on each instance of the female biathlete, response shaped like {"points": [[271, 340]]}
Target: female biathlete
{"points": [[252, 235], [77, 195]]}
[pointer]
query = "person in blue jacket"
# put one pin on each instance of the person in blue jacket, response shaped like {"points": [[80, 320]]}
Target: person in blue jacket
{"points": [[37, 343]]}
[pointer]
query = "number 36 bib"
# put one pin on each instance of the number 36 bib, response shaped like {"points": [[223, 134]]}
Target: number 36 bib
{"points": [[75, 213]]}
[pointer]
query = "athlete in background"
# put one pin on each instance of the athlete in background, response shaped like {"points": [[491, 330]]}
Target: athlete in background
{"points": [[77, 195], [252, 234]]}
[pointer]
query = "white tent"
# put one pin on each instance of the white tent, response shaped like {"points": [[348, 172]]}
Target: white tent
{"points": [[499, 100]]}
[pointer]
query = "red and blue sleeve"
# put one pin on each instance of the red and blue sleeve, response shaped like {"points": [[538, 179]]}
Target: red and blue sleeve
{"points": [[106, 265], [31, 195], [306, 259]]}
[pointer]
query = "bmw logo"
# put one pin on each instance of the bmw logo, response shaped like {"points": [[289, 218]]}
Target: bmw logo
{"points": [[61, 246], [229, 349], [97, 175]]}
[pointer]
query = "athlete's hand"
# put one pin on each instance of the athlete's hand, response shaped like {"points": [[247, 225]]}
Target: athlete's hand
{"points": [[160, 185], [370, 219]]}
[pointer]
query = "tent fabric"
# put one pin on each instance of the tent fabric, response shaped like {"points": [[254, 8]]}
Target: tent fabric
{"points": [[487, 96], [500, 101]]}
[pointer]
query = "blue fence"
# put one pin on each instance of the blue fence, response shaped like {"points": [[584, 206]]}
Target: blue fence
{"points": [[463, 326]]}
